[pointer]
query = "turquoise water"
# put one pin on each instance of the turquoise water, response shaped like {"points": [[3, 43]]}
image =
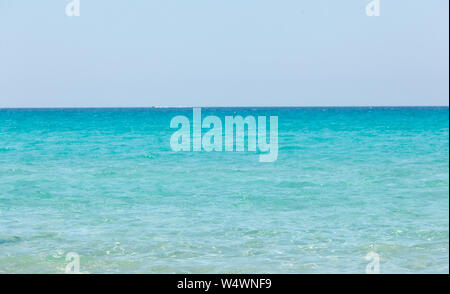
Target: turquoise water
{"points": [[105, 184]]}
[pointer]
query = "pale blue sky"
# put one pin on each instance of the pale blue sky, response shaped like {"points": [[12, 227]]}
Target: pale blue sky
{"points": [[223, 53]]}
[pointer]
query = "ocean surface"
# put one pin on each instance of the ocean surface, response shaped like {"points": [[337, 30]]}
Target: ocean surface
{"points": [[105, 184]]}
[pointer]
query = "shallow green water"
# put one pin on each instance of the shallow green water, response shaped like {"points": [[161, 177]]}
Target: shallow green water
{"points": [[105, 184]]}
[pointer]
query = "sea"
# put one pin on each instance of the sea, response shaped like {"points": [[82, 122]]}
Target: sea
{"points": [[351, 186]]}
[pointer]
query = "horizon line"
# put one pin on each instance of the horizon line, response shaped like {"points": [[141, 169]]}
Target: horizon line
{"points": [[247, 106]]}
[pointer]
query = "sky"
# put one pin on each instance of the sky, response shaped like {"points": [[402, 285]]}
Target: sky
{"points": [[223, 53]]}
